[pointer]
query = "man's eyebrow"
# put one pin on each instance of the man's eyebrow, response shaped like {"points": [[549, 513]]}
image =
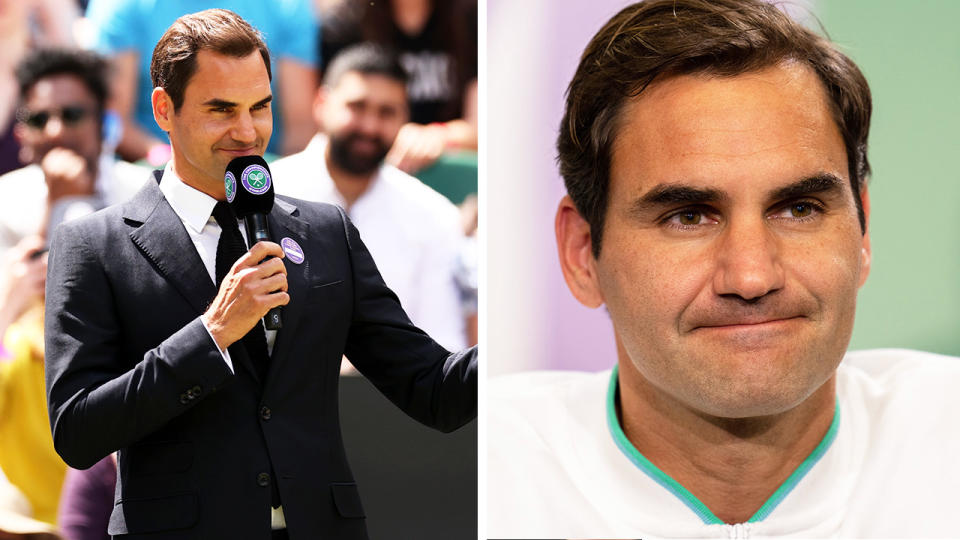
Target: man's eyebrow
{"points": [[219, 103], [663, 195], [222, 103], [819, 183]]}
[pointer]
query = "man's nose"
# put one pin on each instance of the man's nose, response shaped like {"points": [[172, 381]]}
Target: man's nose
{"points": [[368, 124], [243, 129], [748, 261], [54, 129]]}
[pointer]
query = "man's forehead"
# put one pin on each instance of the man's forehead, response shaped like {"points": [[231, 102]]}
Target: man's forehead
{"points": [[229, 78], [59, 87], [355, 83], [774, 122]]}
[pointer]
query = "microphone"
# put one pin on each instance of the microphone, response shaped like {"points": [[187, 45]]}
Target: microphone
{"points": [[249, 189]]}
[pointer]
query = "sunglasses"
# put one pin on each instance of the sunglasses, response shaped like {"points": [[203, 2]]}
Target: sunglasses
{"points": [[70, 115]]}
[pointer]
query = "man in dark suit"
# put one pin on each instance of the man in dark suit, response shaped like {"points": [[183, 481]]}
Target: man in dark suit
{"points": [[225, 430]]}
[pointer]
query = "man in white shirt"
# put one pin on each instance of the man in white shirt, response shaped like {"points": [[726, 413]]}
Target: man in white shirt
{"points": [[715, 159], [60, 127], [412, 231]]}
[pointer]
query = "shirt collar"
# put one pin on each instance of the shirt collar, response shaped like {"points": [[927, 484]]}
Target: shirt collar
{"points": [[194, 207]]}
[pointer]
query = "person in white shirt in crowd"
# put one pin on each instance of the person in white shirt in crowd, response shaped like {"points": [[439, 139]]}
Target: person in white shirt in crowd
{"points": [[413, 232], [715, 159], [60, 127]]}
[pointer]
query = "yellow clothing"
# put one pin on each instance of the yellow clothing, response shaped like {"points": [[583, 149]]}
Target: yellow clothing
{"points": [[26, 446]]}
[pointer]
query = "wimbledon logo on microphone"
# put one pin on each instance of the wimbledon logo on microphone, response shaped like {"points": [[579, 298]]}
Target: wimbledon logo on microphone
{"points": [[255, 179], [230, 186]]}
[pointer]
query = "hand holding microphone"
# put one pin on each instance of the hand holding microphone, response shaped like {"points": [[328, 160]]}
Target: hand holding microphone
{"points": [[257, 282], [249, 190]]}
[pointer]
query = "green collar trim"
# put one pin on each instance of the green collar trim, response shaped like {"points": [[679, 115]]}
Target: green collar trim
{"points": [[687, 498]]}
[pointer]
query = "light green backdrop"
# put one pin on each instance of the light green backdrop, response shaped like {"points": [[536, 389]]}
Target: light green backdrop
{"points": [[910, 54]]}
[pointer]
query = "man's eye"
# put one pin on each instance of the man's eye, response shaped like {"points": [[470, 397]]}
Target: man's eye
{"points": [[800, 210], [689, 218]]}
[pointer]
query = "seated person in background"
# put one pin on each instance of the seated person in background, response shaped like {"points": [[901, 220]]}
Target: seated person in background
{"points": [[413, 232], [59, 126], [715, 156], [437, 44], [127, 31]]}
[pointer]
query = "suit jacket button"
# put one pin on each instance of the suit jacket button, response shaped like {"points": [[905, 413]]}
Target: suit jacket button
{"points": [[265, 412], [263, 479], [184, 398]]}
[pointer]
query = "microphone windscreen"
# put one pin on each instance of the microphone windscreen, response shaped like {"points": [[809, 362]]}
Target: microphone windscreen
{"points": [[249, 186]]}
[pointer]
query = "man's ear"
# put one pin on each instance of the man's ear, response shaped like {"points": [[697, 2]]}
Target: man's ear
{"points": [[576, 254], [865, 248], [162, 108], [26, 155]]}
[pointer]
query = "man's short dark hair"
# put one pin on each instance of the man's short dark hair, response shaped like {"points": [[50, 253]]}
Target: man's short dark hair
{"points": [[653, 40], [366, 59], [218, 30], [87, 66]]}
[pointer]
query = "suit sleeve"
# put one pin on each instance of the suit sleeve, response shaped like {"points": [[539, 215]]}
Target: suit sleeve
{"points": [[98, 399], [434, 386]]}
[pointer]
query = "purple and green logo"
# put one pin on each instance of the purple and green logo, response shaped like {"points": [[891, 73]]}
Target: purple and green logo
{"points": [[255, 179], [230, 186], [292, 249]]}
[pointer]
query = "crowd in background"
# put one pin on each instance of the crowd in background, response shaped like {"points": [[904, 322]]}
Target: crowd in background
{"points": [[77, 134]]}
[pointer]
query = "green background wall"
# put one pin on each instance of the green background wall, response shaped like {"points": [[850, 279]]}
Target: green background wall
{"points": [[910, 54]]}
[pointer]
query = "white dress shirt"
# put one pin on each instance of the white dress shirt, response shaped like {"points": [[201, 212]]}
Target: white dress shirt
{"points": [[412, 232]]}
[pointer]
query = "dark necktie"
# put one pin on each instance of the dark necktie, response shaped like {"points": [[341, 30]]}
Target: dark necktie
{"points": [[229, 249]]}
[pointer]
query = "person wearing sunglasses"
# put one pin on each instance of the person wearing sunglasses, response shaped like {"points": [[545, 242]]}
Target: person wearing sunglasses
{"points": [[59, 125], [69, 169]]}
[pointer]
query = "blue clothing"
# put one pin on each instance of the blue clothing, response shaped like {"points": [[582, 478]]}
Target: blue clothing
{"points": [[288, 26]]}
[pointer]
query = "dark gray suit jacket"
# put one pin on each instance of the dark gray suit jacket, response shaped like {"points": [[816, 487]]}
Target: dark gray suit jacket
{"points": [[130, 367]]}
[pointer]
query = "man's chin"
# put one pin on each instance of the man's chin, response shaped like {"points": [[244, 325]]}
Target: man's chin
{"points": [[759, 385], [360, 167]]}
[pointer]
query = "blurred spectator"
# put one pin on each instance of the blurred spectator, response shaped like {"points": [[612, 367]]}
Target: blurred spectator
{"points": [[128, 30], [87, 501], [59, 127], [27, 456], [437, 44], [16, 517], [413, 232], [25, 24]]}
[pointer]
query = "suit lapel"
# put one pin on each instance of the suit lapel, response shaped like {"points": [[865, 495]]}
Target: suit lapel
{"points": [[285, 224], [162, 237]]}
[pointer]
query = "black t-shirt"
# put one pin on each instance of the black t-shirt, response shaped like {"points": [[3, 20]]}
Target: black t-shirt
{"points": [[440, 60]]}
